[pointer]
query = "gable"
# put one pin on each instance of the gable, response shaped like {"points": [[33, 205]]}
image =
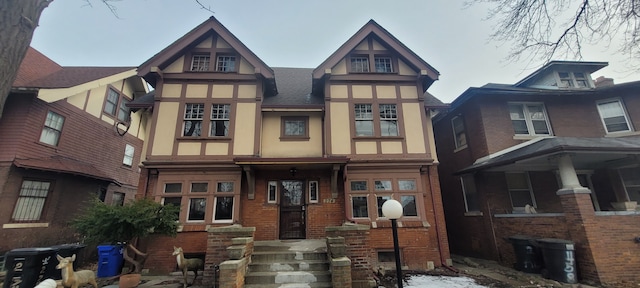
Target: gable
{"points": [[209, 38]]}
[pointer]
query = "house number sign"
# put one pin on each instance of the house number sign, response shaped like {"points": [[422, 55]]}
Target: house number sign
{"points": [[329, 200], [569, 264]]}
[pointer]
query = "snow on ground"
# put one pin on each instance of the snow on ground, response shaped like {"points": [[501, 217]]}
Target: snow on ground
{"points": [[426, 281]]}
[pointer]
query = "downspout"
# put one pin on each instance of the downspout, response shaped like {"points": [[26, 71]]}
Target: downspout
{"points": [[435, 215]]}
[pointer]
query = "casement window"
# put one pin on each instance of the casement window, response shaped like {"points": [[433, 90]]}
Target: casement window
{"points": [[520, 190], [573, 80], [613, 116], [223, 210], [388, 120], [459, 132], [200, 62], [220, 115], [129, 152], [469, 193], [117, 199], [359, 64], [193, 114], [116, 105], [31, 201], [197, 209], [383, 64], [529, 119], [631, 179], [226, 63], [364, 120], [404, 191], [313, 192], [52, 129], [295, 127], [272, 192]]}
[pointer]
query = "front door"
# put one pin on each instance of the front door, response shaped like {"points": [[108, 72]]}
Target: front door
{"points": [[292, 210]]}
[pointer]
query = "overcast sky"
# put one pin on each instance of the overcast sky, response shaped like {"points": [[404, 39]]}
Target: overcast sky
{"points": [[296, 33]]}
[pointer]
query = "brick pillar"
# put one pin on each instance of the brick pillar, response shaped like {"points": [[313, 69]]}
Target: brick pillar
{"points": [[356, 238], [218, 239]]}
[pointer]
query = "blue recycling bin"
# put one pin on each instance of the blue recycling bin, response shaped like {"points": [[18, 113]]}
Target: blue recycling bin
{"points": [[26, 267], [109, 260]]}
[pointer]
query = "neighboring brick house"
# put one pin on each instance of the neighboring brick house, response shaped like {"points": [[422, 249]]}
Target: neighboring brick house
{"points": [[556, 143], [60, 144], [291, 151]]}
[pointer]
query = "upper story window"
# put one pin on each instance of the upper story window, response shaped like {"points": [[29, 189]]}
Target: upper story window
{"points": [[573, 80], [364, 120], [359, 64], [529, 119], [129, 151], [458, 132], [383, 65], [295, 127], [200, 62], [613, 116], [388, 120], [193, 114], [115, 105], [31, 201], [220, 114], [226, 63], [52, 129]]}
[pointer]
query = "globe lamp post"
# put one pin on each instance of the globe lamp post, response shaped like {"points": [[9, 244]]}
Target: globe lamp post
{"points": [[392, 209]]}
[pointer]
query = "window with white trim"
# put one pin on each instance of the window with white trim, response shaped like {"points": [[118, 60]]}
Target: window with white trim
{"points": [[359, 64], [224, 199], [520, 190], [226, 63], [31, 201], [469, 193], [388, 120], [613, 116], [459, 135], [313, 192], [573, 80], [403, 190], [272, 192], [220, 115], [383, 64], [359, 206], [52, 129], [200, 62], [364, 120], [529, 119], [175, 201], [193, 115], [197, 209], [129, 152], [631, 180], [380, 199]]}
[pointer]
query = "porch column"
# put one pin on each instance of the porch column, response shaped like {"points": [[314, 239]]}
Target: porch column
{"points": [[568, 176]]}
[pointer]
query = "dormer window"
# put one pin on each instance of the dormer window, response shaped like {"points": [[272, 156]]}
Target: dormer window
{"points": [[573, 80]]}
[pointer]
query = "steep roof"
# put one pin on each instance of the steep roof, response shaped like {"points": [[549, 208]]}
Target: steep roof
{"points": [[294, 89], [33, 67]]}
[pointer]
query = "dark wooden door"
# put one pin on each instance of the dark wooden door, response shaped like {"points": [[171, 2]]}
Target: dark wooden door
{"points": [[292, 210]]}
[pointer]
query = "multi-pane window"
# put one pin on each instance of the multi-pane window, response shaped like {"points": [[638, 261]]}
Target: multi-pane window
{"points": [[31, 200], [404, 191], [52, 129], [383, 65], [123, 111], [529, 119], [223, 210], [111, 102], [382, 185], [129, 151], [197, 209], [469, 193], [193, 114], [294, 127], [573, 80], [565, 79], [272, 192], [116, 105], [380, 200], [207, 200], [364, 120], [200, 63], [631, 180], [519, 189], [359, 64], [407, 185], [226, 64], [458, 132], [313, 192], [360, 207], [581, 80], [388, 120], [613, 116], [220, 115]]}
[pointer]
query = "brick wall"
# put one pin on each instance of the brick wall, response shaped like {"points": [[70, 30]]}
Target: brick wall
{"points": [[160, 248]]}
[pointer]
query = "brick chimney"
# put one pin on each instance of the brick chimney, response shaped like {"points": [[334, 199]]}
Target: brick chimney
{"points": [[602, 81]]}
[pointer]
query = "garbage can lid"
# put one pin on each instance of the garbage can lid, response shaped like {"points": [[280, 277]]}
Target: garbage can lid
{"points": [[521, 237], [556, 243]]}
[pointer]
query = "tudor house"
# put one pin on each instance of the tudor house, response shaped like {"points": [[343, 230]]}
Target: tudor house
{"points": [[65, 136], [291, 151], [555, 155]]}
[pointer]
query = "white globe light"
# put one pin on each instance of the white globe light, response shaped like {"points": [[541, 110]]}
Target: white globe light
{"points": [[392, 209]]}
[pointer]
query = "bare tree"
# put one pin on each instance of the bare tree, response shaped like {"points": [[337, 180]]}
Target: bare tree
{"points": [[18, 21], [544, 30]]}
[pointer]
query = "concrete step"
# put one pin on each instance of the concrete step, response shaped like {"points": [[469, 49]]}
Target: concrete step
{"points": [[305, 245], [288, 277], [280, 256], [291, 285], [294, 265]]}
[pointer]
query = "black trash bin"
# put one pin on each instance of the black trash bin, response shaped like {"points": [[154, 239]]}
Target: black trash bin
{"points": [[64, 250], [559, 260], [528, 256], [26, 267]]}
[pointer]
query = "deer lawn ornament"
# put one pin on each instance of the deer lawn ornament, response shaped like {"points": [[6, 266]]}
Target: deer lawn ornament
{"points": [[74, 279], [186, 265]]}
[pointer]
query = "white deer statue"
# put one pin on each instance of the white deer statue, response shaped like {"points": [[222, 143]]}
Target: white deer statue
{"points": [[186, 265], [74, 279]]}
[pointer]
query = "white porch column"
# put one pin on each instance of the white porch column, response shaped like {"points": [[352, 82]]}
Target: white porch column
{"points": [[568, 176]]}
